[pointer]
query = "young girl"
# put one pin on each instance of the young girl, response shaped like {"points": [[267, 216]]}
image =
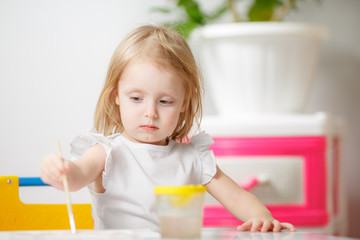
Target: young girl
{"points": [[150, 101]]}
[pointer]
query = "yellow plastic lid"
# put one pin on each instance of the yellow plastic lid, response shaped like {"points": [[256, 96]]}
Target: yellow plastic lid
{"points": [[185, 189]]}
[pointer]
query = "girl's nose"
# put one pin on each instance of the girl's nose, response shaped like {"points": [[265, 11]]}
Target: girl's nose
{"points": [[151, 111]]}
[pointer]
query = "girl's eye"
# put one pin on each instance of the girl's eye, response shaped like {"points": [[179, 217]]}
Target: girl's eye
{"points": [[165, 102], [135, 99]]}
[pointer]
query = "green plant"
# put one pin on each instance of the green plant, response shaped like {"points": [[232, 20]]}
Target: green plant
{"points": [[192, 16]]}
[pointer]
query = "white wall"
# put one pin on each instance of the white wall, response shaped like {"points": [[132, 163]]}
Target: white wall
{"points": [[53, 60], [54, 56]]}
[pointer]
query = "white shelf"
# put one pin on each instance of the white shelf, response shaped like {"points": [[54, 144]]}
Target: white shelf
{"points": [[271, 125]]}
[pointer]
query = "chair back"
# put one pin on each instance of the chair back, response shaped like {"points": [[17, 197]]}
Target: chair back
{"points": [[16, 215]]}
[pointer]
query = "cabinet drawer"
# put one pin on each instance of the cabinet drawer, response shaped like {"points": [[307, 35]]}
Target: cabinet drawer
{"points": [[280, 178]]}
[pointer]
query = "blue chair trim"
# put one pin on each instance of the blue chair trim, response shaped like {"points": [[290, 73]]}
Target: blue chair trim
{"points": [[31, 181]]}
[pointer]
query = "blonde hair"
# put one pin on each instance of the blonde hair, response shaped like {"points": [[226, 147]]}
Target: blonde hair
{"points": [[166, 48]]}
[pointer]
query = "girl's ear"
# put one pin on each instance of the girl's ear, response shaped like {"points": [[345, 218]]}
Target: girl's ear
{"points": [[116, 95]]}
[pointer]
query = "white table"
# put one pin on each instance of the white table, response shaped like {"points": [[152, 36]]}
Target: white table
{"points": [[207, 233]]}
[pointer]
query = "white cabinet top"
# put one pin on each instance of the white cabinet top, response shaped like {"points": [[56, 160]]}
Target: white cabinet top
{"points": [[272, 125]]}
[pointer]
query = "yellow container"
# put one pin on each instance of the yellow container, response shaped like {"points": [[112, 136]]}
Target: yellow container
{"points": [[180, 210]]}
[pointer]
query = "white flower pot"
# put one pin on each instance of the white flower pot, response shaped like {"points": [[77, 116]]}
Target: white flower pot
{"points": [[259, 67]]}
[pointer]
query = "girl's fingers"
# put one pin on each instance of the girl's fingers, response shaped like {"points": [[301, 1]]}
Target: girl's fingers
{"points": [[276, 226], [245, 226], [266, 226], [53, 168], [256, 225], [288, 226], [59, 163], [66, 166]]}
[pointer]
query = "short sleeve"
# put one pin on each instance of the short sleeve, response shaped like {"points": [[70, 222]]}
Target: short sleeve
{"points": [[202, 142], [82, 142]]}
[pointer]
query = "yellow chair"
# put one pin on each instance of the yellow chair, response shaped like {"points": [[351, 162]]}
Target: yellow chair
{"points": [[16, 215]]}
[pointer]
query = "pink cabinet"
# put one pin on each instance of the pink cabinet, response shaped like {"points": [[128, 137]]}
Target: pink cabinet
{"points": [[291, 163]]}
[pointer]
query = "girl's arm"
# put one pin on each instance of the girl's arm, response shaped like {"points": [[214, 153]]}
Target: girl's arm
{"points": [[88, 168], [244, 205]]}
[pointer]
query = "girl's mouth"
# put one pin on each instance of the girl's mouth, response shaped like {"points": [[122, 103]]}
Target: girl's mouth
{"points": [[149, 128]]}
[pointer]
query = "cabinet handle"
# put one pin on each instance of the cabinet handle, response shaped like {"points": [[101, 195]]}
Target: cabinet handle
{"points": [[254, 181]]}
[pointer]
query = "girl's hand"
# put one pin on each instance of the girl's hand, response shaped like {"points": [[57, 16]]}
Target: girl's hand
{"points": [[53, 168], [255, 225]]}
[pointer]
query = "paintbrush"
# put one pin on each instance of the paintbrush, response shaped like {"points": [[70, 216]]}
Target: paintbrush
{"points": [[67, 194]]}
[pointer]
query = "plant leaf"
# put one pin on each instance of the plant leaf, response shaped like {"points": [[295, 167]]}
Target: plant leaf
{"points": [[193, 10], [262, 10]]}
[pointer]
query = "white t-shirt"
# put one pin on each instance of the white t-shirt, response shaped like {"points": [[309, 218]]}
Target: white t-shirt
{"points": [[132, 170]]}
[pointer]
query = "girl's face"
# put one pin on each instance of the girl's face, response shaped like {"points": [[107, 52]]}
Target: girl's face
{"points": [[150, 100]]}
